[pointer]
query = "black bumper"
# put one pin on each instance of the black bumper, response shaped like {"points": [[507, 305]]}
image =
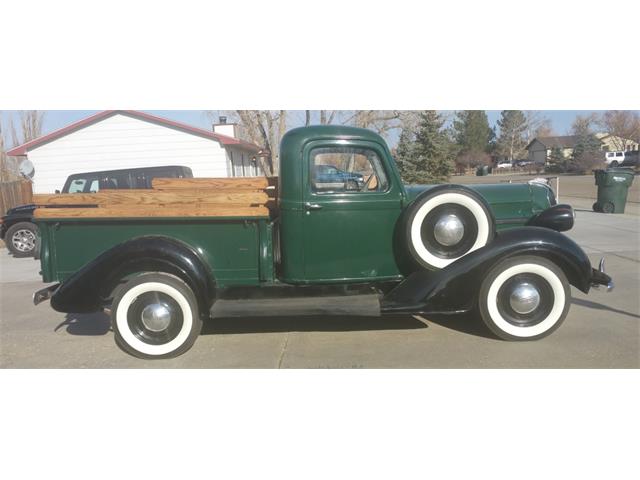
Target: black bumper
{"points": [[45, 293]]}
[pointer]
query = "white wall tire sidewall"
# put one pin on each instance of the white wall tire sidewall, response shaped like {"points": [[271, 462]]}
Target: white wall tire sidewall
{"points": [[131, 340], [554, 316], [459, 199]]}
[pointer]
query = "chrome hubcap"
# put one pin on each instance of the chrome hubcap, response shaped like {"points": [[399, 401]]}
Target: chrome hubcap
{"points": [[156, 317], [524, 298], [449, 230], [24, 240]]}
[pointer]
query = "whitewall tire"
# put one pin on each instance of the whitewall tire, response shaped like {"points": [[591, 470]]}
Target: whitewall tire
{"points": [[524, 298], [155, 315], [447, 224]]}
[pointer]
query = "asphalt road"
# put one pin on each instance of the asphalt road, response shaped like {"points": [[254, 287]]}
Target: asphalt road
{"points": [[601, 331]]}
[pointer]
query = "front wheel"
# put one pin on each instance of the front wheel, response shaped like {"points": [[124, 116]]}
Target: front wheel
{"points": [[524, 298], [155, 315]]}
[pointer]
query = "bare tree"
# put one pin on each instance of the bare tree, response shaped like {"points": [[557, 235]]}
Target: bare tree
{"points": [[264, 128], [381, 121], [30, 126], [8, 168], [622, 125], [583, 124], [537, 125]]}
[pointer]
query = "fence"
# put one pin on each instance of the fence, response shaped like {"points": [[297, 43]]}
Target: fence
{"points": [[13, 194]]}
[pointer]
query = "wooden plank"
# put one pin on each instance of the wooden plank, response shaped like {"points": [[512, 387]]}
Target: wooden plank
{"points": [[151, 197], [142, 212], [240, 183]]}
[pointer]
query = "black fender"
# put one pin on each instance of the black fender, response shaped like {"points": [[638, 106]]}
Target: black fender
{"points": [[89, 289], [455, 287]]}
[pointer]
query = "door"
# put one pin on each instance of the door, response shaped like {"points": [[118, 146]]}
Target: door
{"points": [[352, 202]]}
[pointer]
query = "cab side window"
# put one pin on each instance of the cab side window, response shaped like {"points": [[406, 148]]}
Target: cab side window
{"points": [[346, 170]]}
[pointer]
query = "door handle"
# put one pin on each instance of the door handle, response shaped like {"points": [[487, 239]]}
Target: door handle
{"points": [[312, 206]]}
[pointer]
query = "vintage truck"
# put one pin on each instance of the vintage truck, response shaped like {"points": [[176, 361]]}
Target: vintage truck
{"points": [[160, 262]]}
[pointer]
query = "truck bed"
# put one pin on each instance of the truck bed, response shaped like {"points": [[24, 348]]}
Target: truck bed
{"points": [[228, 221]]}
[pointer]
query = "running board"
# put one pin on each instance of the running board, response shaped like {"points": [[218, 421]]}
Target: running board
{"points": [[350, 305]]}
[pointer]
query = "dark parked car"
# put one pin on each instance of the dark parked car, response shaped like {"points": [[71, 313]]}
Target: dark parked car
{"points": [[18, 230], [631, 159], [328, 176]]}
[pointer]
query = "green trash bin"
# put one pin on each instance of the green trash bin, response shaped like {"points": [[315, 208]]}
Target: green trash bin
{"points": [[613, 185], [482, 170]]}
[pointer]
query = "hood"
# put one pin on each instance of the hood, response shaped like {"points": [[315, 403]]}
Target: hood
{"points": [[510, 202]]}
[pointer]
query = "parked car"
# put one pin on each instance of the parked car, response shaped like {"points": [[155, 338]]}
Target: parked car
{"points": [[332, 178], [524, 163], [386, 248], [504, 165], [631, 159], [18, 230], [614, 159]]}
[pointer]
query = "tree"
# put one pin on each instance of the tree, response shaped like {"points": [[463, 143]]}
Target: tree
{"points": [[429, 158], [404, 153], [473, 136], [558, 160], [472, 132], [623, 125], [586, 153], [512, 141], [30, 126], [264, 128]]}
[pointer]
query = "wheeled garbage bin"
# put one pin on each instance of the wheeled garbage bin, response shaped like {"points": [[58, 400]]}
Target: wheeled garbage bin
{"points": [[613, 186]]}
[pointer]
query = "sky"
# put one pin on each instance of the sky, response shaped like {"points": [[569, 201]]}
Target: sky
{"points": [[561, 120]]}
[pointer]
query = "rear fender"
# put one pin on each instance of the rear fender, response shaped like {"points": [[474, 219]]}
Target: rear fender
{"points": [[89, 289], [455, 287]]}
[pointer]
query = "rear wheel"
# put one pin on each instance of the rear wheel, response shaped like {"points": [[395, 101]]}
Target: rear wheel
{"points": [[608, 207], [21, 239], [614, 164], [524, 298], [155, 315]]}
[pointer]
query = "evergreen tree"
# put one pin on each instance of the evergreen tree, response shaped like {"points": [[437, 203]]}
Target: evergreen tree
{"points": [[404, 152], [472, 132], [558, 160], [429, 159], [586, 154], [512, 142]]}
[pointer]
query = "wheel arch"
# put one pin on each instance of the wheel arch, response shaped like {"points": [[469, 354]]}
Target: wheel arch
{"points": [[455, 287], [90, 288]]}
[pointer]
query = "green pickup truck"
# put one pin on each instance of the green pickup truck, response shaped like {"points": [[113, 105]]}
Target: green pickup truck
{"points": [[353, 241]]}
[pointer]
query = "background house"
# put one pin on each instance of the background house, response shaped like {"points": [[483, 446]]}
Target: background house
{"points": [[118, 139], [540, 148], [611, 143]]}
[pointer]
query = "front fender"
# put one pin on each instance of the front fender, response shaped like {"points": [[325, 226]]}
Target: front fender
{"points": [[455, 287], [88, 289]]}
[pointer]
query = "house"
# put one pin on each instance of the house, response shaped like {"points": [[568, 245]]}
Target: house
{"points": [[540, 148], [116, 139], [612, 143]]}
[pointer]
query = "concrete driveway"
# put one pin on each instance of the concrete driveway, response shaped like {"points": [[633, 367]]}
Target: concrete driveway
{"points": [[601, 331]]}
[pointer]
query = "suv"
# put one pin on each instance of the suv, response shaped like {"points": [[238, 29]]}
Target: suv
{"points": [[18, 230], [613, 159]]}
